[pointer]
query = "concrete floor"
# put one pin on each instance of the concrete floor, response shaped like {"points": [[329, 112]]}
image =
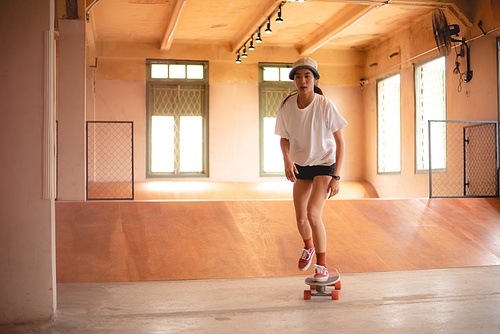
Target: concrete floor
{"points": [[465, 300]]}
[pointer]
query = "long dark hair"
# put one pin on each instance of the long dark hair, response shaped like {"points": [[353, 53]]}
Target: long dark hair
{"points": [[317, 90]]}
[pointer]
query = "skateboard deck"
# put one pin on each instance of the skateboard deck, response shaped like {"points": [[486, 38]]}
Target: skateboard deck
{"points": [[319, 288]]}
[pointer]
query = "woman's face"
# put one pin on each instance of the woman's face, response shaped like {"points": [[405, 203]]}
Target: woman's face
{"points": [[304, 80]]}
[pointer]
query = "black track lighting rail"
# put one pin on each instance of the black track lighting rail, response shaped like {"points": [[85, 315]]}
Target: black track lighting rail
{"points": [[242, 50]]}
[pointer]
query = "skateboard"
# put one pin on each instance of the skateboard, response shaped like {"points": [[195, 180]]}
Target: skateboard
{"points": [[319, 288]]}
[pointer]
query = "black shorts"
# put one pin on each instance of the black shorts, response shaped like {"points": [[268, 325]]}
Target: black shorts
{"points": [[309, 172]]}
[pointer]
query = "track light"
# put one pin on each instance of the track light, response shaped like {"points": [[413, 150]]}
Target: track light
{"points": [[251, 47], [268, 29], [258, 39], [279, 19], [250, 41]]}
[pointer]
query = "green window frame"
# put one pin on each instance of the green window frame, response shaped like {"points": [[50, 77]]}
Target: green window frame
{"points": [[176, 118], [274, 86]]}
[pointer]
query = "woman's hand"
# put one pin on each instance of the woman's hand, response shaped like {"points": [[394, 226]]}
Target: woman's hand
{"points": [[333, 187], [290, 170]]}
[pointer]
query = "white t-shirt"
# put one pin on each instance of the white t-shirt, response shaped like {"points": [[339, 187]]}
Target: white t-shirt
{"points": [[310, 130]]}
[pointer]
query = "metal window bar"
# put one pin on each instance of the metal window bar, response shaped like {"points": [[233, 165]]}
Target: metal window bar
{"points": [[177, 101], [110, 160], [270, 100], [466, 162]]}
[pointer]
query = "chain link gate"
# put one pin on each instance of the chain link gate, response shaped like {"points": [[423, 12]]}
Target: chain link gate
{"points": [[463, 159], [110, 160]]}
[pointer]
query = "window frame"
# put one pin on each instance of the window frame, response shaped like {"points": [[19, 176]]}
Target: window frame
{"points": [[400, 132], [290, 85], [416, 138], [205, 112]]}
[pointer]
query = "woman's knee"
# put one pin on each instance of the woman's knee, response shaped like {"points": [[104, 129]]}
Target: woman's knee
{"points": [[314, 217], [302, 221]]}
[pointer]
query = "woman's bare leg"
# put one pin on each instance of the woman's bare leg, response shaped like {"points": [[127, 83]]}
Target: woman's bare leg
{"points": [[317, 198], [301, 192]]}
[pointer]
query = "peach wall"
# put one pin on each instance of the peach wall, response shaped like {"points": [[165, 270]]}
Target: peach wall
{"points": [[477, 101], [233, 101], [27, 256], [117, 100], [233, 125]]}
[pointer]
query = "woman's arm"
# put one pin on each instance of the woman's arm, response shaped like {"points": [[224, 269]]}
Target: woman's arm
{"points": [[334, 186], [290, 169]]}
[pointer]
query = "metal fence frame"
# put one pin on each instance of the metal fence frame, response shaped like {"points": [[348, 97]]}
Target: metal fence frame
{"points": [[110, 195], [468, 124]]}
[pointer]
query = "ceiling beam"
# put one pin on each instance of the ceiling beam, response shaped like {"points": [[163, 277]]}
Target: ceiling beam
{"points": [[254, 24], [173, 18], [459, 15], [461, 12], [352, 15]]}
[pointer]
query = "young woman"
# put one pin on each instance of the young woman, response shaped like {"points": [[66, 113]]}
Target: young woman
{"points": [[312, 143]]}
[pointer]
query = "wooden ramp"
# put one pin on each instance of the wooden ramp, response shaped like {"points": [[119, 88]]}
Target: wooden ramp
{"points": [[173, 240]]}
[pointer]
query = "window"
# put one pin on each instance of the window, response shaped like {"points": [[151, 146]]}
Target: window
{"points": [[177, 103], [430, 96], [389, 125], [274, 86]]}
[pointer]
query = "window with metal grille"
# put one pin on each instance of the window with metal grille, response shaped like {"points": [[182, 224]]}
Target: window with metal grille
{"points": [[274, 86], [430, 96], [389, 125], [177, 122]]}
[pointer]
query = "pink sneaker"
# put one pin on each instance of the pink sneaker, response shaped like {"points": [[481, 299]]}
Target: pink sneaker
{"points": [[320, 273], [305, 259]]}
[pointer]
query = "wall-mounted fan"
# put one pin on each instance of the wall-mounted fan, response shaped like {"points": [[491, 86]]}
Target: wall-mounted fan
{"points": [[443, 35]]}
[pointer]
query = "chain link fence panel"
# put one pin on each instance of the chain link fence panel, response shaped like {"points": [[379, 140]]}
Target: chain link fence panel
{"points": [[110, 160], [463, 159]]}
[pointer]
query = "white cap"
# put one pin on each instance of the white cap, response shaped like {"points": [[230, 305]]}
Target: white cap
{"points": [[306, 62]]}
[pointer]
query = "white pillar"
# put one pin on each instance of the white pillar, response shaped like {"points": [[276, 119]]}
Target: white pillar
{"points": [[71, 111]]}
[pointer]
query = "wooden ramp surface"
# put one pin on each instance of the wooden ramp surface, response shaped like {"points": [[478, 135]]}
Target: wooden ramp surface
{"points": [[172, 240]]}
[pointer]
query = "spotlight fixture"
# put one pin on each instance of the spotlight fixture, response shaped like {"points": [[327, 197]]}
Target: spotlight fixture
{"points": [[251, 47], [258, 39], [242, 51], [279, 19], [301, 1], [268, 29]]}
